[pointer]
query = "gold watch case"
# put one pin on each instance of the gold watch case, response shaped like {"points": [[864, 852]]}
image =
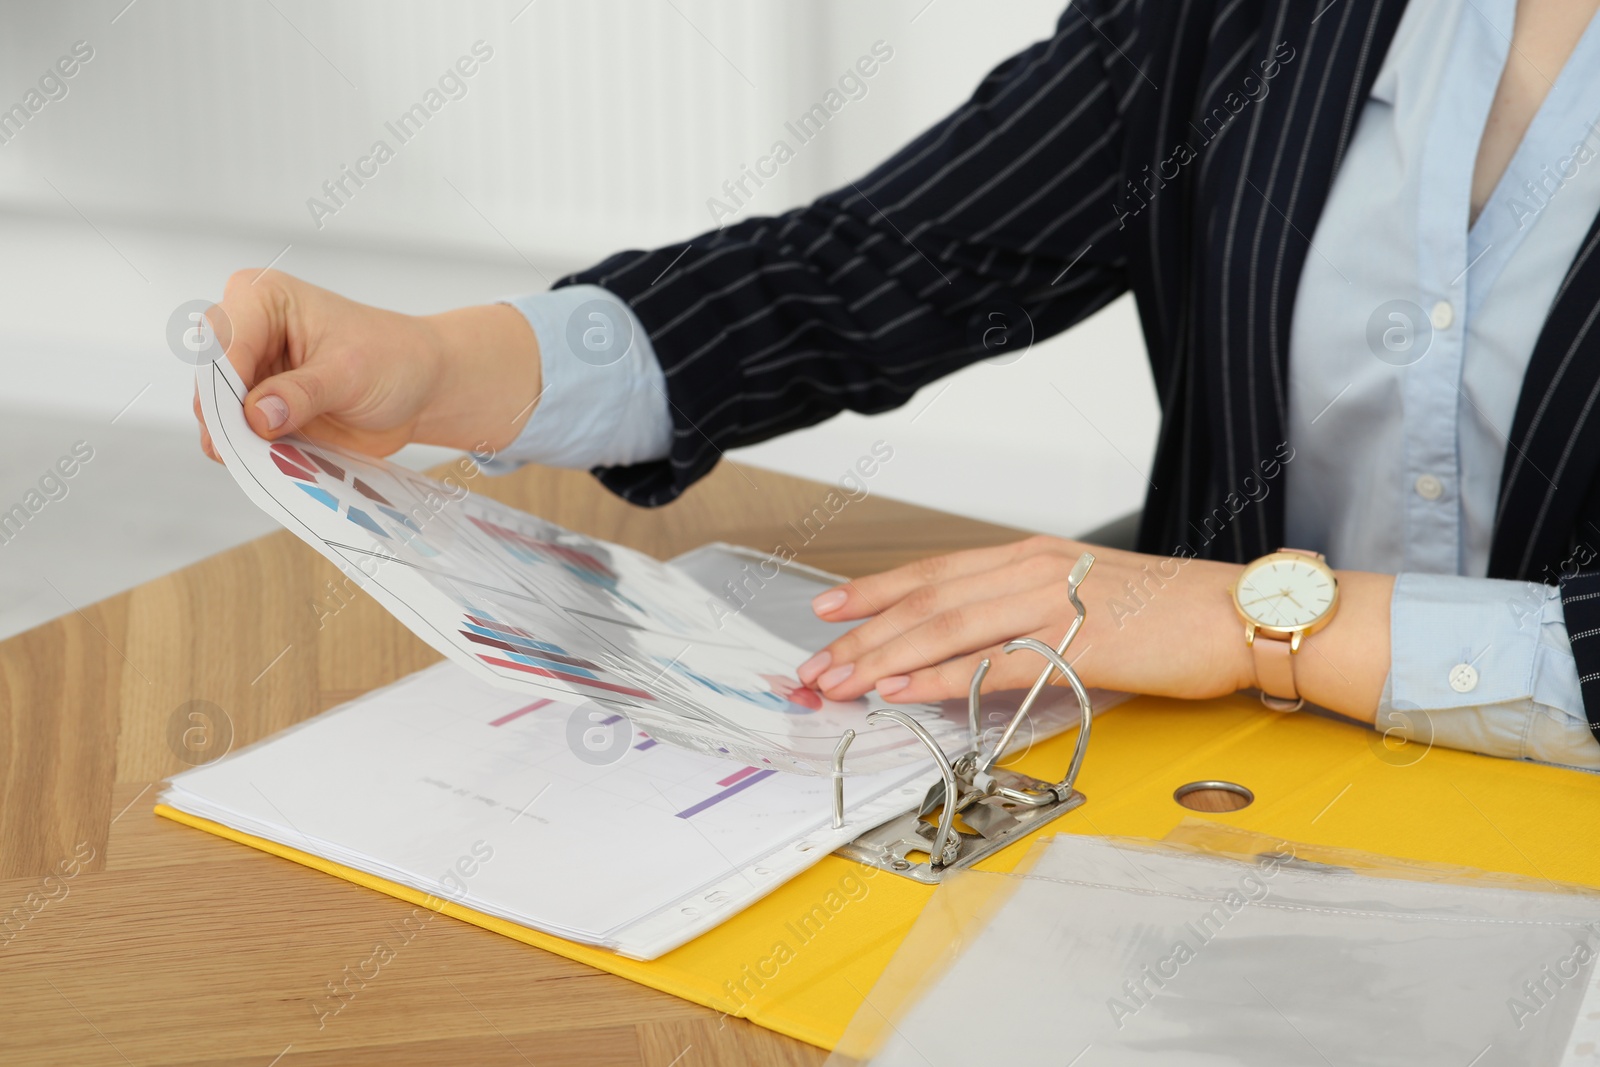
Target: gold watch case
{"points": [[1293, 635]]}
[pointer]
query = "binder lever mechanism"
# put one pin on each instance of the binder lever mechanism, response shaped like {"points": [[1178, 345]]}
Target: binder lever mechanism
{"points": [[996, 806]]}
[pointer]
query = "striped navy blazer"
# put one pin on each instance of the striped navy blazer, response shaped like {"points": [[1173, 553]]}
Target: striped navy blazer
{"points": [[1055, 189]]}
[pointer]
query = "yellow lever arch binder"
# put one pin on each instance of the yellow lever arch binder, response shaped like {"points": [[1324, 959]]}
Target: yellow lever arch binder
{"points": [[802, 960]]}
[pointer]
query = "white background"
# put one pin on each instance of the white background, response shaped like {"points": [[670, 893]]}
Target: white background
{"points": [[189, 145]]}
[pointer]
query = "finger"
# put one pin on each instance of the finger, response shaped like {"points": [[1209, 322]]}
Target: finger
{"points": [[953, 678], [951, 633], [254, 315], [875, 593], [286, 392], [286, 402], [928, 601], [207, 447]]}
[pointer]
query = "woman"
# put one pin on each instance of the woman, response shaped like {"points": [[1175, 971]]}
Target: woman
{"points": [[1360, 235]]}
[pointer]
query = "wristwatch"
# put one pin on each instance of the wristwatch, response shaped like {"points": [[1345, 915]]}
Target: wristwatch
{"points": [[1283, 597]]}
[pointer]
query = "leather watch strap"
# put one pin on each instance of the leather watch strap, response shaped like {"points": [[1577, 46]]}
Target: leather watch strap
{"points": [[1275, 673]]}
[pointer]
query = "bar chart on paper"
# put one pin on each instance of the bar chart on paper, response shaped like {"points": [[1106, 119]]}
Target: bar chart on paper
{"points": [[512, 716], [733, 784], [404, 778], [719, 786], [521, 651]]}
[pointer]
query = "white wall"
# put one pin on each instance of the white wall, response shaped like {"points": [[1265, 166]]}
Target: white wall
{"points": [[191, 142]]}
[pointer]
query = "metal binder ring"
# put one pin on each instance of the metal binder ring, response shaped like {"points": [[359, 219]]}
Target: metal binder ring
{"points": [[974, 717], [999, 806], [1084, 707], [944, 848], [1080, 571], [838, 777]]}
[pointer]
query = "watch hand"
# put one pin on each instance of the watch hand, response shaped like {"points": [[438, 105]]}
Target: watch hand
{"points": [[1292, 600]]}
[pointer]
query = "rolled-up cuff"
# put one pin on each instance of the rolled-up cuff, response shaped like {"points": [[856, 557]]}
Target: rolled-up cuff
{"points": [[1484, 665], [604, 399]]}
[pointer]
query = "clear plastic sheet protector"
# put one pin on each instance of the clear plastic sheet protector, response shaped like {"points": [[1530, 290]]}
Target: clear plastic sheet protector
{"points": [[1217, 946], [526, 605]]}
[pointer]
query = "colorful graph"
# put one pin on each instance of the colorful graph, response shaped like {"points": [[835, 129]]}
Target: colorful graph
{"points": [[303, 464], [581, 565], [733, 784], [521, 651], [588, 568], [786, 694], [727, 786], [512, 716]]}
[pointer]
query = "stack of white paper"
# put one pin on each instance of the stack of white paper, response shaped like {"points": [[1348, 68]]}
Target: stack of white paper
{"points": [[562, 818], [525, 778]]}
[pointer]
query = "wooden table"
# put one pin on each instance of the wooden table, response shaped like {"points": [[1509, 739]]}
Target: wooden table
{"points": [[134, 940]]}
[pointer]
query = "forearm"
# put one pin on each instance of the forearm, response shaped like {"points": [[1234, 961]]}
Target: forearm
{"points": [[488, 378], [1474, 664], [1399, 653], [1343, 666]]}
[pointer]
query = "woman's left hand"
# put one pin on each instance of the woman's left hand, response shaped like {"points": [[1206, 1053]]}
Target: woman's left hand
{"points": [[1158, 625]]}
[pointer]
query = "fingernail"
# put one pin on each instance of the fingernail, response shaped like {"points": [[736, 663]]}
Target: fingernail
{"points": [[274, 410], [832, 600], [835, 676], [808, 671], [893, 684]]}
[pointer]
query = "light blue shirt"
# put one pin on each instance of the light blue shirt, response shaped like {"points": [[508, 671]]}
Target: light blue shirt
{"points": [[604, 399], [1411, 336]]}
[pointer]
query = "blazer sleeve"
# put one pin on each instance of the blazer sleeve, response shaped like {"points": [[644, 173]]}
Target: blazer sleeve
{"points": [[1580, 606], [990, 230]]}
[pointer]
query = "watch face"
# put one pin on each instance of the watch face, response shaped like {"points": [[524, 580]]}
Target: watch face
{"points": [[1286, 594]]}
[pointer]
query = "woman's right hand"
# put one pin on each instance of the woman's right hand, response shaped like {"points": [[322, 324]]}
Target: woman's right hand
{"points": [[375, 380]]}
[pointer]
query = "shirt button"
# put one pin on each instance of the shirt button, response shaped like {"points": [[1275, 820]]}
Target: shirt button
{"points": [[1429, 487], [1463, 678], [1443, 315]]}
